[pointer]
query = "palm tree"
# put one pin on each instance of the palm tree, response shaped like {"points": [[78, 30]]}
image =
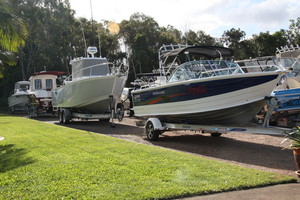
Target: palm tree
{"points": [[13, 33]]}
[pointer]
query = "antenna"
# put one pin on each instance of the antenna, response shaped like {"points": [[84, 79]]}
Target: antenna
{"points": [[99, 45], [92, 22], [83, 38]]}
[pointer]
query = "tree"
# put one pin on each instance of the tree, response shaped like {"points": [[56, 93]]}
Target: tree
{"points": [[293, 34], [13, 33], [232, 39], [266, 43], [141, 37], [199, 38], [170, 35]]}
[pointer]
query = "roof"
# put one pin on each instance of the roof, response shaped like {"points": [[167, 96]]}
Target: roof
{"points": [[57, 73], [208, 51]]}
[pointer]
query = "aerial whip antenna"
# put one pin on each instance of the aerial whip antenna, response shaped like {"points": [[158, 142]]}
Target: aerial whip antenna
{"points": [[92, 22], [83, 38]]}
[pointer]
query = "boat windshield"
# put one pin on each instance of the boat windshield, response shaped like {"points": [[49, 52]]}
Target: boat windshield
{"points": [[87, 67], [22, 86], [291, 63], [204, 68]]}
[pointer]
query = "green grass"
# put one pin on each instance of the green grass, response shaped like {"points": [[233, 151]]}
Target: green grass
{"points": [[43, 161]]}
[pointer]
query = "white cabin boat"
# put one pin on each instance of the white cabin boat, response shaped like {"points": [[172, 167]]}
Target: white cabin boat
{"points": [[90, 87], [41, 84], [19, 100]]}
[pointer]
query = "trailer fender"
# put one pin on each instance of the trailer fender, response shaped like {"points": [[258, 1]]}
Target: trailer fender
{"points": [[156, 123]]}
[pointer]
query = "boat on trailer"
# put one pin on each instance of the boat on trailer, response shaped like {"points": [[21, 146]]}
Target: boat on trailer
{"points": [[202, 88], [287, 92], [19, 100], [41, 84], [92, 91]]}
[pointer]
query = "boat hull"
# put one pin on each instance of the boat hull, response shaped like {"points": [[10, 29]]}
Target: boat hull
{"points": [[289, 100], [216, 100], [18, 102], [89, 95]]}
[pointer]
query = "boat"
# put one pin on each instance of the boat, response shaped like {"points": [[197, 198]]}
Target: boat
{"points": [[287, 92], [19, 100], [90, 89], [203, 88], [41, 84]]}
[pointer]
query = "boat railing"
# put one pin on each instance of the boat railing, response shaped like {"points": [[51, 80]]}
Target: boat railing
{"points": [[113, 70], [212, 68], [262, 68], [208, 68]]}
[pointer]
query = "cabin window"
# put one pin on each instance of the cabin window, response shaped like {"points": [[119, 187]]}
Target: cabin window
{"points": [[38, 84], [49, 84]]}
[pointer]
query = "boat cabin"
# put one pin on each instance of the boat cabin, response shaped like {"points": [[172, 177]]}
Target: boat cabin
{"points": [[42, 83], [87, 67], [21, 86]]}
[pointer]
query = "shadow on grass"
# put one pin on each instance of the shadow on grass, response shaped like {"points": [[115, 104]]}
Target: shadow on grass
{"points": [[233, 150], [225, 148], [12, 158]]}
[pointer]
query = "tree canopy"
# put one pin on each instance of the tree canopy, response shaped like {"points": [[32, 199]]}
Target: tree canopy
{"points": [[13, 33], [46, 35]]}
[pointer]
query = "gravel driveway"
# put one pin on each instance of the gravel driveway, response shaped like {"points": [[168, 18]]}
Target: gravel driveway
{"points": [[262, 152]]}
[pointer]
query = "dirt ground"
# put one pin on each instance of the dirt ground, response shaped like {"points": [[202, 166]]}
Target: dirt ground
{"points": [[264, 152]]}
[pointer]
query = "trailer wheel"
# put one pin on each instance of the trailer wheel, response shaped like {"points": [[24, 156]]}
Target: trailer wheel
{"points": [[152, 134], [63, 117], [33, 113], [120, 111], [60, 116], [216, 134], [104, 120], [11, 110]]}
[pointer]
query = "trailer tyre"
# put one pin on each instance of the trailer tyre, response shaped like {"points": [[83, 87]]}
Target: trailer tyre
{"points": [[152, 134], [120, 111], [63, 118], [216, 134]]}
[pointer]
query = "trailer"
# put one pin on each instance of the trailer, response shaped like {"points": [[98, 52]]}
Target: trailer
{"points": [[154, 127], [37, 107], [115, 111]]}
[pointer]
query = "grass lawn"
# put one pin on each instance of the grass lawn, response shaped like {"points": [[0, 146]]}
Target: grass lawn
{"points": [[43, 161]]}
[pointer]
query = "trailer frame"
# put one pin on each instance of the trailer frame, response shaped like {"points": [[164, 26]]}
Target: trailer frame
{"points": [[154, 127]]}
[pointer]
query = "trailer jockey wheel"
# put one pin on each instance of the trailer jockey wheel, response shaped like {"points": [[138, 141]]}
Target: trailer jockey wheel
{"points": [[152, 134]]}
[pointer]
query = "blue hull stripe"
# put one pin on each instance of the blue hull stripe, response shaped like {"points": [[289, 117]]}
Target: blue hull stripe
{"points": [[288, 99], [196, 90]]}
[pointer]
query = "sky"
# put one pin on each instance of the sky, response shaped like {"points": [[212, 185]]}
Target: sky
{"points": [[211, 16]]}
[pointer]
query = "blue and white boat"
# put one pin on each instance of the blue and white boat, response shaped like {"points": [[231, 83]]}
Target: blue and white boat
{"points": [[201, 90], [289, 100]]}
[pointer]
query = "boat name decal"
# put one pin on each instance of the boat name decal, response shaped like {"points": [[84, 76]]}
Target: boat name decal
{"points": [[159, 92], [197, 90]]}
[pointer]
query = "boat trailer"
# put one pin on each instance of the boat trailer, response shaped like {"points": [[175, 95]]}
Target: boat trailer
{"points": [[154, 127], [114, 112]]}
